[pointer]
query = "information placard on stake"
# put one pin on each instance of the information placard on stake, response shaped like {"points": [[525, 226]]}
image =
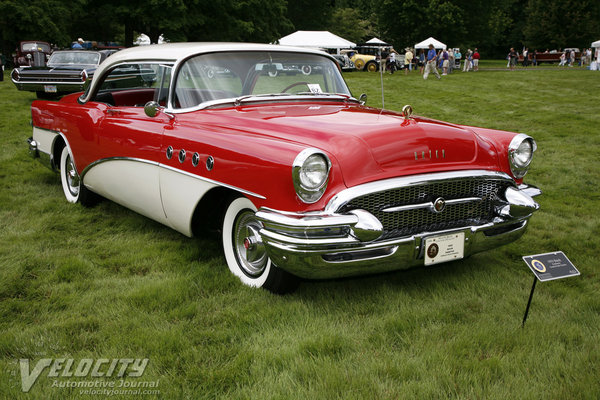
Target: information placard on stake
{"points": [[548, 267]]}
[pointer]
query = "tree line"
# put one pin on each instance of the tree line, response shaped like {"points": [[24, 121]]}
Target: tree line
{"points": [[491, 25]]}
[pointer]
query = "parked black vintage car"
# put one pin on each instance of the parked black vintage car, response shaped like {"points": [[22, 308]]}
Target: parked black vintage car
{"points": [[66, 72]]}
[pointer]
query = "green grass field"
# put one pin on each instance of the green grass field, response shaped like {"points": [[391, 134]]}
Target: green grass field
{"points": [[107, 283]]}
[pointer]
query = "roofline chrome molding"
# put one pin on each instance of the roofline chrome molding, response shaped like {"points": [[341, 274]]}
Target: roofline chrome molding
{"points": [[520, 172], [176, 53], [345, 196], [201, 178]]}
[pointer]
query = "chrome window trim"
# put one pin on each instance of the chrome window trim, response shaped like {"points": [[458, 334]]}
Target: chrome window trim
{"points": [[100, 74], [345, 196], [201, 178]]}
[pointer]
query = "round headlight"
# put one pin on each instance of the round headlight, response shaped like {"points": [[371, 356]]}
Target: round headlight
{"points": [[313, 172], [520, 154], [523, 154], [310, 173]]}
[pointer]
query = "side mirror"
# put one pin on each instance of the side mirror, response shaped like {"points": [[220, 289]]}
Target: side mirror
{"points": [[363, 99], [151, 109]]}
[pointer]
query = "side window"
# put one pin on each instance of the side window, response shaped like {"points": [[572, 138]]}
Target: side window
{"points": [[135, 84]]}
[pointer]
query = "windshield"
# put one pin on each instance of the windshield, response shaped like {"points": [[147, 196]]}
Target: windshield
{"points": [[217, 76], [35, 47], [74, 57]]}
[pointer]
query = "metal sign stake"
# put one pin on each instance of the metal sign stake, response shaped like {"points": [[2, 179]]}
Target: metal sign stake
{"points": [[529, 302]]}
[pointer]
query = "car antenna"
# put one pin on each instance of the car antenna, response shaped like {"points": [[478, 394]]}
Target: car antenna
{"points": [[381, 66]]}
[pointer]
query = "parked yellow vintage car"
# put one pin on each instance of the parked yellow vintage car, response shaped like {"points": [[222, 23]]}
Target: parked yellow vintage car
{"points": [[362, 62]]}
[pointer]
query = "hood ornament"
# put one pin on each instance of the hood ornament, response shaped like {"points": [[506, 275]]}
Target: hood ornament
{"points": [[407, 111]]}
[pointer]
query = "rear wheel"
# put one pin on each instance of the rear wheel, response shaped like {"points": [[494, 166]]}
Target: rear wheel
{"points": [[74, 190], [246, 254]]}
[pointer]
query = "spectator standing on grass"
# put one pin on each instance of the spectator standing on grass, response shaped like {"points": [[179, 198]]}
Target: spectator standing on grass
{"points": [[451, 63], [408, 58], [513, 56], [457, 56], [563, 60], [430, 63], [422, 61], [571, 57], [446, 62], [468, 60], [534, 58], [2, 64], [525, 57], [476, 57], [392, 62]]}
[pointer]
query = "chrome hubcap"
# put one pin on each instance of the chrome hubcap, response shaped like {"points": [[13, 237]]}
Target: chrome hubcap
{"points": [[72, 177], [249, 248]]}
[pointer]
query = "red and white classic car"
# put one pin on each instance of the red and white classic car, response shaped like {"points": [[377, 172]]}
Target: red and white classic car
{"points": [[240, 136]]}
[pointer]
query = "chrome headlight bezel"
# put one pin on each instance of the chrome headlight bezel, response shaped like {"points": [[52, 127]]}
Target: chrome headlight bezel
{"points": [[519, 144], [310, 193]]}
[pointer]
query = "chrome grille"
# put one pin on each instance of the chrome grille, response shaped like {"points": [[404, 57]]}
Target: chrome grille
{"points": [[409, 222]]}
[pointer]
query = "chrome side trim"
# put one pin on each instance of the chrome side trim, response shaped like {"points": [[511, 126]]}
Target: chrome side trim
{"points": [[201, 178], [347, 195], [140, 160], [430, 205]]}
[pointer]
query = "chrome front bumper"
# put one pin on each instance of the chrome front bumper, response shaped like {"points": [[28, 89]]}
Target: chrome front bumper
{"points": [[329, 245]]}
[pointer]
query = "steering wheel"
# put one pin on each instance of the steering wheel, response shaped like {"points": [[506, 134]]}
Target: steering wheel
{"points": [[294, 85]]}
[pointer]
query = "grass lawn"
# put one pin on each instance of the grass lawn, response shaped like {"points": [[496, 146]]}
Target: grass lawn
{"points": [[106, 283]]}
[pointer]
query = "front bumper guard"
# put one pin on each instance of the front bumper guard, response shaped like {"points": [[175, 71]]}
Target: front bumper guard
{"points": [[321, 245]]}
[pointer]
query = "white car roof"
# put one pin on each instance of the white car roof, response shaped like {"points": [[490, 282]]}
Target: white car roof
{"points": [[172, 52]]}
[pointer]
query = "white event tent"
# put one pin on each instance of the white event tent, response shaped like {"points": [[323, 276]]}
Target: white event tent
{"points": [[377, 42], [316, 39], [425, 44]]}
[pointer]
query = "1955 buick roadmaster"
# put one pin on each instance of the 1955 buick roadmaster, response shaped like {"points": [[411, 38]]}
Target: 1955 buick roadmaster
{"points": [[302, 179]]}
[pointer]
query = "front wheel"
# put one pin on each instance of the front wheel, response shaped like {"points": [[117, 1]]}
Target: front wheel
{"points": [[73, 189], [371, 66], [245, 253]]}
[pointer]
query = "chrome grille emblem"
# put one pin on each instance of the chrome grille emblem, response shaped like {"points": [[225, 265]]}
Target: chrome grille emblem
{"points": [[439, 205]]}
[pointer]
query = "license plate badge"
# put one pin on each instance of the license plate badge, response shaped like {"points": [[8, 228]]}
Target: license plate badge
{"points": [[444, 248], [50, 88]]}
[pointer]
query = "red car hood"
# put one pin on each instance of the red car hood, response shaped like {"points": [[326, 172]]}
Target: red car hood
{"points": [[367, 143]]}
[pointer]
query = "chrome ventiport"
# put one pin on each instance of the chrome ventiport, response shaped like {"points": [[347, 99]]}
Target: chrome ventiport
{"points": [[181, 156], [210, 163], [169, 152], [195, 159]]}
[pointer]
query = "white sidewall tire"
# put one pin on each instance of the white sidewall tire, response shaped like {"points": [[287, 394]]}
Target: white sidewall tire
{"points": [[234, 208], [63, 177]]}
